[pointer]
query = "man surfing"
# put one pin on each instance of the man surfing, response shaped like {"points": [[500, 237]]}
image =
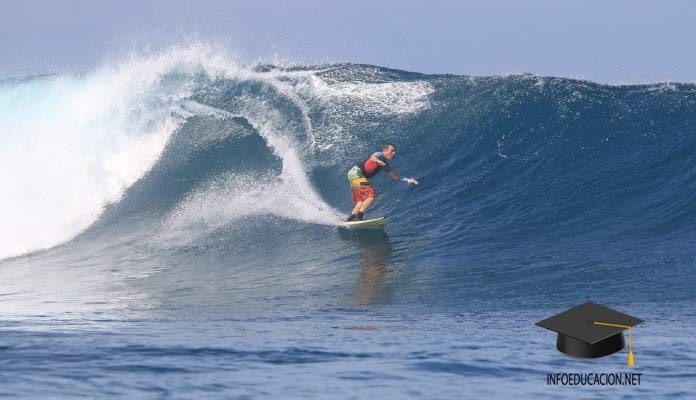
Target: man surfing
{"points": [[363, 192]]}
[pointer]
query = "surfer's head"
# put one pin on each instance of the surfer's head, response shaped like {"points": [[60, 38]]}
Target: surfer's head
{"points": [[388, 149]]}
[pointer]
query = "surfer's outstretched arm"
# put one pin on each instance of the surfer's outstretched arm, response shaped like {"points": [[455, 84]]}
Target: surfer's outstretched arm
{"points": [[398, 177]]}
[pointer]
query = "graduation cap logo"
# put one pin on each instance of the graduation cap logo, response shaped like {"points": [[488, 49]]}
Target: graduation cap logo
{"points": [[591, 330]]}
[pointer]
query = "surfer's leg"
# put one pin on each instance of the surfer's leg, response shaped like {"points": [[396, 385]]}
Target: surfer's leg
{"points": [[357, 207], [357, 199], [354, 214], [368, 195], [365, 204], [357, 187]]}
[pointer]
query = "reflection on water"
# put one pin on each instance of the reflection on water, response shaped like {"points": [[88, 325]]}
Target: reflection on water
{"points": [[375, 250]]}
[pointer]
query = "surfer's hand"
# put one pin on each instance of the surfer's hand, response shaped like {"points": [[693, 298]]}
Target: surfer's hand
{"points": [[380, 162], [411, 180]]}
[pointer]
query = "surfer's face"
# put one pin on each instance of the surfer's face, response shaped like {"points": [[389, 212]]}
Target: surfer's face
{"points": [[389, 153]]}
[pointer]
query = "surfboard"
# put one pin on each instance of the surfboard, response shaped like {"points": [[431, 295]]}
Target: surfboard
{"points": [[376, 223]]}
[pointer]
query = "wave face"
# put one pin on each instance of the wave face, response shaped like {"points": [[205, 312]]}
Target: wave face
{"points": [[182, 185]]}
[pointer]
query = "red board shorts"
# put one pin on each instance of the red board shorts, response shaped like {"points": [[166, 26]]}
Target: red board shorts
{"points": [[362, 189]]}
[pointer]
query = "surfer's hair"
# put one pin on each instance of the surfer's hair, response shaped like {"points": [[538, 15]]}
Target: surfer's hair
{"points": [[385, 146]]}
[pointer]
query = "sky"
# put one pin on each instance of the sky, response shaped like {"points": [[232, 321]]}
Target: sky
{"points": [[616, 42]]}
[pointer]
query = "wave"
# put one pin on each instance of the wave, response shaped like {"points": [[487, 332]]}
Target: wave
{"points": [[188, 142]]}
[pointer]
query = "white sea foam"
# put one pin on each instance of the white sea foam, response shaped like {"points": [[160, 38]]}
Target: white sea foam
{"points": [[72, 144], [383, 98]]}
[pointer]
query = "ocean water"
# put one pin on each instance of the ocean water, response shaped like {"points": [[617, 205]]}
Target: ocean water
{"points": [[169, 229]]}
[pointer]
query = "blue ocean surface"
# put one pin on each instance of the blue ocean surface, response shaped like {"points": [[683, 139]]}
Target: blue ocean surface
{"points": [[170, 228]]}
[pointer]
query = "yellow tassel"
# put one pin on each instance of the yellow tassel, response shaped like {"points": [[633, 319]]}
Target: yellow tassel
{"points": [[631, 362]]}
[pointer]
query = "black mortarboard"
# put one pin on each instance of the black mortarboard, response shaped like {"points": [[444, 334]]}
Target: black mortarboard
{"points": [[590, 330]]}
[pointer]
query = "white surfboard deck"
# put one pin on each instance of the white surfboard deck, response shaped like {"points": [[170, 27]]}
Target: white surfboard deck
{"points": [[376, 223]]}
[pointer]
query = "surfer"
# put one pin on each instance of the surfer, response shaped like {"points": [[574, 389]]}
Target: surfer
{"points": [[363, 192]]}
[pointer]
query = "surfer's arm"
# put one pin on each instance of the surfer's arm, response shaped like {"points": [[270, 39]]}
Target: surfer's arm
{"points": [[376, 159], [398, 177]]}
